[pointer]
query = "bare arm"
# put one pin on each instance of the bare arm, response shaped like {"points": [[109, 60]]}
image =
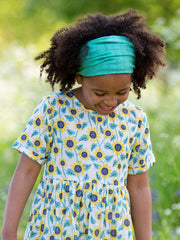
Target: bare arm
{"points": [[140, 197], [21, 186]]}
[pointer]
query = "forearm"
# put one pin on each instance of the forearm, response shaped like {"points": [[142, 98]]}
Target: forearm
{"points": [[141, 213], [19, 191]]}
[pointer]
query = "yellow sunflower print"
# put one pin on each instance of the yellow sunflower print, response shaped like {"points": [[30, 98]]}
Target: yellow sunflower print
{"points": [[118, 147], [93, 134], [105, 170], [38, 122], [126, 222]]}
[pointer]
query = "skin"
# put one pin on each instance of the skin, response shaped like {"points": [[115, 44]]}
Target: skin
{"points": [[21, 186], [103, 94]]}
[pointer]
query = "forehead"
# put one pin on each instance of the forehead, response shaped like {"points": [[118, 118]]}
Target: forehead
{"points": [[109, 82]]}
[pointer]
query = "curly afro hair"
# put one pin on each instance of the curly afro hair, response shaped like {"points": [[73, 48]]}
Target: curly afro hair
{"points": [[62, 60]]}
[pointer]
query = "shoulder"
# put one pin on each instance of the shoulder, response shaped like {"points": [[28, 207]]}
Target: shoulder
{"points": [[56, 99], [133, 113]]}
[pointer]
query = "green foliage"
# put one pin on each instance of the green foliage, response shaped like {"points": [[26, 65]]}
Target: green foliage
{"points": [[35, 21]]}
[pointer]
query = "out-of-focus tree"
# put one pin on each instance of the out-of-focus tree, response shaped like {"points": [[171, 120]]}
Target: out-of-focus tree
{"points": [[32, 21]]}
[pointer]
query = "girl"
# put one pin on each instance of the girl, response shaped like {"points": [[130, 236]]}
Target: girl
{"points": [[94, 143]]}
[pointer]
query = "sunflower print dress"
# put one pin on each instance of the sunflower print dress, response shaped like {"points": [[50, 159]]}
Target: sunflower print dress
{"points": [[87, 158]]}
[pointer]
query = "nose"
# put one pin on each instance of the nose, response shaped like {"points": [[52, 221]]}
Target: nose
{"points": [[111, 101]]}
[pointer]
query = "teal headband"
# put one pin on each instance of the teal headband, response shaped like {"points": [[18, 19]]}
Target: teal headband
{"points": [[107, 55]]}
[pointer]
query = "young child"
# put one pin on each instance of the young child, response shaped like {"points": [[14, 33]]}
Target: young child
{"points": [[94, 143]]}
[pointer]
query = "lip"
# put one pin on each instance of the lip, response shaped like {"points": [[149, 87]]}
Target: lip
{"points": [[106, 111]]}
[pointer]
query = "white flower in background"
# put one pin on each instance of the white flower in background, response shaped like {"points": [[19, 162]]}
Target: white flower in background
{"points": [[168, 211], [178, 230], [176, 141]]}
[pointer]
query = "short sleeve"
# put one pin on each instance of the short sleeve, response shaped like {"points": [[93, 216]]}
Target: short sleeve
{"points": [[142, 157], [37, 138]]}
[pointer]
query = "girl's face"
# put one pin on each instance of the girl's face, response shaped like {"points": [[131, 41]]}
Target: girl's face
{"points": [[104, 93]]}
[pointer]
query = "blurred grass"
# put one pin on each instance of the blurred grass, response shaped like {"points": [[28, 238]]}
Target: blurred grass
{"points": [[21, 91]]}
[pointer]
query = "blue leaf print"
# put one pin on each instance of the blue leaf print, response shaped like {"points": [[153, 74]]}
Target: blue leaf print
{"points": [[114, 174], [46, 121], [67, 103], [94, 119], [15, 144], [92, 220], [69, 154], [58, 171], [36, 200], [46, 231], [84, 125], [78, 104], [108, 146], [144, 141], [125, 140], [44, 108], [120, 117], [101, 129], [70, 172], [93, 146], [108, 158], [63, 110], [133, 129], [86, 177], [69, 118], [132, 121], [55, 114], [137, 134], [87, 166], [64, 233], [42, 149], [113, 138], [120, 236], [67, 223], [120, 134], [123, 157], [70, 132], [114, 163], [105, 122], [93, 158], [35, 132], [120, 228], [51, 218], [81, 218], [83, 138], [133, 113], [98, 176], [113, 125], [55, 130], [79, 147], [46, 139], [54, 102], [81, 115], [30, 122], [59, 140], [29, 144], [33, 234], [96, 165], [57, 186], [142, 151]]}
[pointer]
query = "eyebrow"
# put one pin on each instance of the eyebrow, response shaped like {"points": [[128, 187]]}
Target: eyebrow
{"points": [[100, 90]]}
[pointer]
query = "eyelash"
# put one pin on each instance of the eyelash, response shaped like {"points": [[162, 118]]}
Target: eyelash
{"points": [[102, 94]]}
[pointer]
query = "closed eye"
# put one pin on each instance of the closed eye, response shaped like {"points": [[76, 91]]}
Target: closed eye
{"points": [[99, 94]]}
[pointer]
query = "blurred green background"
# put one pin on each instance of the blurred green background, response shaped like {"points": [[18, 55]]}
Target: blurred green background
{"points": [[26, 28]]}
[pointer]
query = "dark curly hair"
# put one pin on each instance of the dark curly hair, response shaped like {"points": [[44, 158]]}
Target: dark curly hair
{"points": [[62, 59]]}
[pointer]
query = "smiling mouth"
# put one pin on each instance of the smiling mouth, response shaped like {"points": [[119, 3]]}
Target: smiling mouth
{"points": [[107, 110]]}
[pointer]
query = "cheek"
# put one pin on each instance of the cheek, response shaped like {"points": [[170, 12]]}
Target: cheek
{"points": [[123, 98]]}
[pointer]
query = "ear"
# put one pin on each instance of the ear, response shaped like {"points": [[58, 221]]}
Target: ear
{"points": [[79, 78]]}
